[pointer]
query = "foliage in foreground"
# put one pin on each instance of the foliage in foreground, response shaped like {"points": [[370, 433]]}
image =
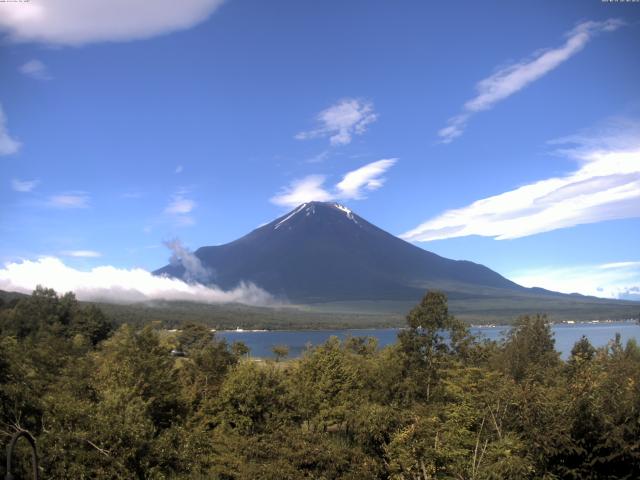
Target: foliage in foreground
{"points": [[439, 404]]}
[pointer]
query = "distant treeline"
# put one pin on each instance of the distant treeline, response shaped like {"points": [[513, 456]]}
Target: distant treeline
{"points": [[229, 316], [107, 402], [481, 310]]}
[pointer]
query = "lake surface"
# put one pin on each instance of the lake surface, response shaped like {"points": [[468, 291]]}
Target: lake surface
{"points": [[261, 342]]}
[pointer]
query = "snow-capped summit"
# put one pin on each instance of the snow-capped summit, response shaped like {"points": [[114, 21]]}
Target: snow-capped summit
{"points": [[310, 208], [347, 212]]}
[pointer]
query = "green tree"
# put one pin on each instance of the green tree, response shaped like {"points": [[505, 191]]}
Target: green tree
{"points": [[203, 371], [529, 348], [253, 399], [431, 335], [135, 364], [91, 323], [361, 345], [194, 336], [326, 385], [280, 352], [583, 349], [240, 349]]}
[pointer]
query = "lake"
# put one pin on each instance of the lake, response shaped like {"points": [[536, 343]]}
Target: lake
{"points": [[261, 342]]}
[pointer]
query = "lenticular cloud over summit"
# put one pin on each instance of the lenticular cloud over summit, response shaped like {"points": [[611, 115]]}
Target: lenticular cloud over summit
{"points": [[110, 284]]}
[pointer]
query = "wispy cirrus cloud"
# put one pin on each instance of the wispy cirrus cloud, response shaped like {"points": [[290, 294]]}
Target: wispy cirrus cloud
{"points": [[606, 186], [353, 185], [24, 186], [513, 78], [8, 145], [632, 264], [180, 207], [610, 280], [367, 178], [69, 200], [319, 157], [81, 253], [35, 69], [78, 22], [341, 121]]}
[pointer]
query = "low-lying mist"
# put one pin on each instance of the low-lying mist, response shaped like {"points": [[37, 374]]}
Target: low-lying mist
{"points": [[118, 285]]}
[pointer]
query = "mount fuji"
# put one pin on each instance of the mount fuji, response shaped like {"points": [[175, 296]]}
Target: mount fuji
{"points": [[324, 252]]}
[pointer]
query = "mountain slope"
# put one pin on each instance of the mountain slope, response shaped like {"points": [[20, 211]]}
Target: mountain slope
{"points": [[321, 252]]}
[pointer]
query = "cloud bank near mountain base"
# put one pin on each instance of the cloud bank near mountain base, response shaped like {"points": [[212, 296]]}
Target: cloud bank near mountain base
{"points": [[118, 285]]}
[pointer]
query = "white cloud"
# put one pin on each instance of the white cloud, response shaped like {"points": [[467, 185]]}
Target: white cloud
{"points": [[318, 158], [612, 280], [606, 186], [512, 78], [368, 177], [70, 200], [180, 205], [78, 22], [35, 69], [184, 220], [620, 265], [81, 253], [307, 189], [8, 145], [351, 187], [24, 185], [111, 284], [340, 122]]}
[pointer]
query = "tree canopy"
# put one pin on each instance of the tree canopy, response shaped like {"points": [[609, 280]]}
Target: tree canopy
{"points": [[113, 403]]}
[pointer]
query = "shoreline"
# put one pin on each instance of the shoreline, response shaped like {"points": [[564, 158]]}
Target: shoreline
{"points": [[315, 329]]}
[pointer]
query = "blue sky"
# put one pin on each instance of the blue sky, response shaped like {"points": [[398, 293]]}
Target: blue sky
{"points": [[506, 133]]}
